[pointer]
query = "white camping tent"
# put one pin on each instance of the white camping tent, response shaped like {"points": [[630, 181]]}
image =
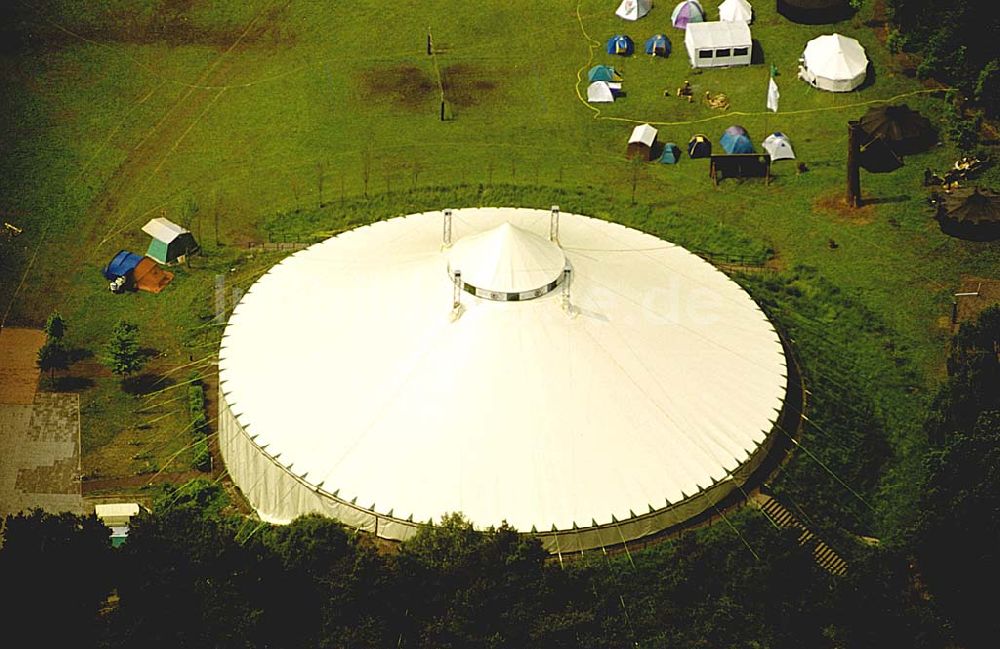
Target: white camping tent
{"points": [[834, 62], [736, 11], [599, 92], [778, 146], [718, 44], [634, 9], [601, 402]]}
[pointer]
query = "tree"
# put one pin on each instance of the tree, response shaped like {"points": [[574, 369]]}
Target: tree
{"points": [[52, 356], [55, 326], [59, 566], [122, 354]]}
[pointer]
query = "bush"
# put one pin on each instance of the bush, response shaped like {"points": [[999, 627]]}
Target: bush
{"points": [[202, 459]]}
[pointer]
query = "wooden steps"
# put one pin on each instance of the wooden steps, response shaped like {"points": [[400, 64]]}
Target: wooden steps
{"points": [[825, 556]]}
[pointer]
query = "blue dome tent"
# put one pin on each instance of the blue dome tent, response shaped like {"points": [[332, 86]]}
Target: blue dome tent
{"points": [[658, 45], [736, 140], [621, 45]]}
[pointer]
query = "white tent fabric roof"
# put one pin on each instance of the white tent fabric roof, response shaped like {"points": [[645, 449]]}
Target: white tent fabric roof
{"points": [[115, 510], [834, 62], [163, 229], [351, 374], [633, 9], [778, 147], [735, 11], [599, 92], [507, 259], [643, 133], [716, 34]]}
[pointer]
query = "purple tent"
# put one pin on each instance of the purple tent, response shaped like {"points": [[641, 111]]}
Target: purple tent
{"points": [[686, 12]]}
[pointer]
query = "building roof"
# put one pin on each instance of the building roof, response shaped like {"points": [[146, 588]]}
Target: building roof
{"points": [[116, 511], [643, 134], [662, 377], [163, 229], [717, 34]]}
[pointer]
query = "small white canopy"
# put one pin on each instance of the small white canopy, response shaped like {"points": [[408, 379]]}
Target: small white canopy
{"points": [[116, 515], [718, 44], [778, 146], [735, 11], [599, 92], [507, 259], [634, 9], [643, 134], [834, 62], [163, 229]]}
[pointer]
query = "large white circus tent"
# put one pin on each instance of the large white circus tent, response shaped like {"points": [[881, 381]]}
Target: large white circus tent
{"points": [[578, 379]]}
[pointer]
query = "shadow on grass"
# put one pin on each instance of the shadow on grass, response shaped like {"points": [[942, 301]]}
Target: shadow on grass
{"points": [[79, 354], [145, 383], [71, 383], [886, 199]]}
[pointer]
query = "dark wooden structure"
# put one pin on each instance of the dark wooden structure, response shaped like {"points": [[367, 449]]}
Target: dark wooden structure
{"points": [[739, 165], [854, 136]]}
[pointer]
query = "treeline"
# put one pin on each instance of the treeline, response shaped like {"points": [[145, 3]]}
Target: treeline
{"points": [[956, 42], [194, 575], [191, 577]]}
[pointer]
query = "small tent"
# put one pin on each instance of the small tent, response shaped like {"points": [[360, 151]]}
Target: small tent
{"points": [[603, 73], [905, 130], [718, 44], [834, 62], [815, 12], [641, 142], [687, 12], [699, 146], [671, 154], [658, 45], [736, 11], [169, 241], [633, 9], [600, 92], [117, 517], [971, 214], [621, 45], [121, 265], [150, 277], [736, 140], [778, 146]]}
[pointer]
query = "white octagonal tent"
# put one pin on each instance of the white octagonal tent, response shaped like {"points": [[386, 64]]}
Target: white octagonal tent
{"points": [[580, 380], [834, 62]]}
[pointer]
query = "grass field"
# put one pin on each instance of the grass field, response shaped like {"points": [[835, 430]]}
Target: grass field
{"points": [[278, 120]]}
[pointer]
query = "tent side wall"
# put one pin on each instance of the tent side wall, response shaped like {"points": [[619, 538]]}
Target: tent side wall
{"points": [[832, 85], [279, 496], [157, 250], [639, 150], [702, 55]]}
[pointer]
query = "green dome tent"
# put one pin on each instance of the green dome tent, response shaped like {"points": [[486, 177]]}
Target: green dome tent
{"points": [[671, 154]]}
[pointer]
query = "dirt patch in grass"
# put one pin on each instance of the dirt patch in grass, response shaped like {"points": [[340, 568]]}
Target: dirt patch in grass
{"points": [[410, 88], [968, 307], [835, 205], [173, 22], [466, 85], [403, 86], [18, 372]]}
